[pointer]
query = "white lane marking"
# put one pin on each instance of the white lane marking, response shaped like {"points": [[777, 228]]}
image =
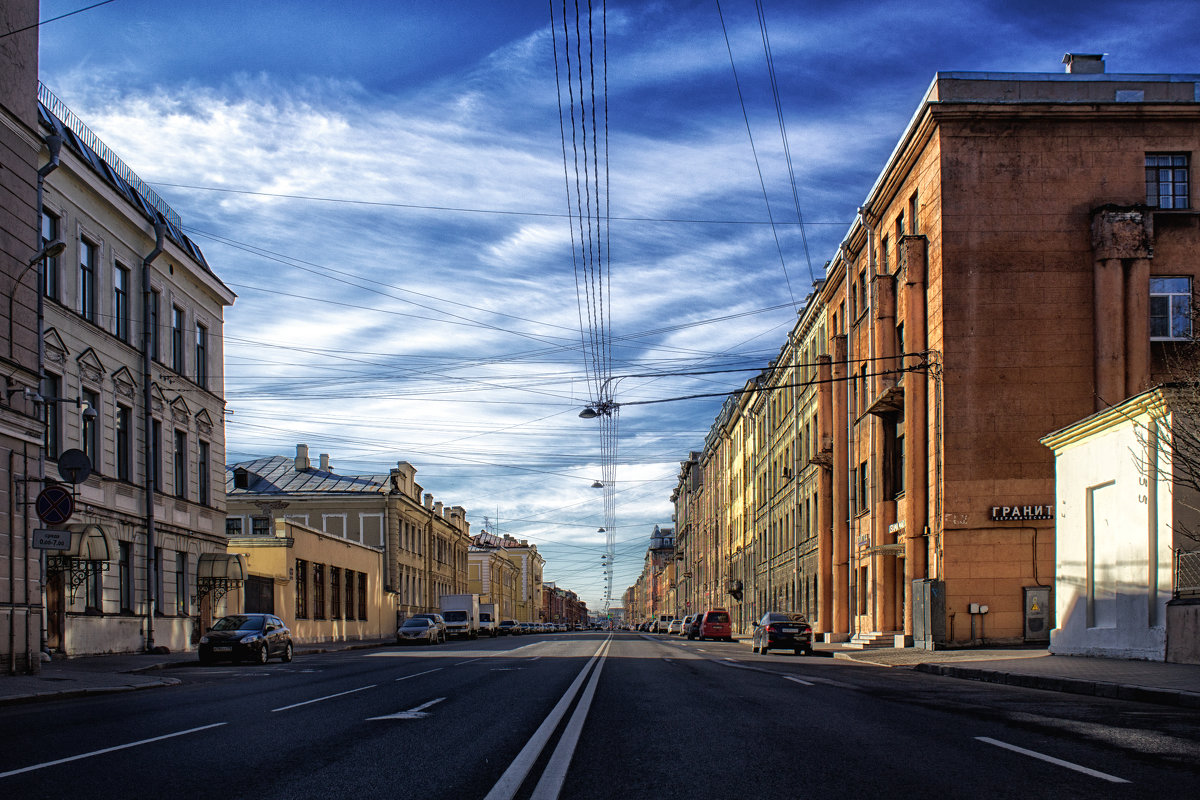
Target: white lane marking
{"points": [[55, 763], [551, 782], [469, 661], [412, 713], [319, 699], [419, 674], [1052, 760], [797, 680], [510, 782]]}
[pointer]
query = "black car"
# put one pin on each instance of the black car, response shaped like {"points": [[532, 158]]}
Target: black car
{"points": [[783, 630], [509, 627], [246, 637], [437, 621], [418, 630], [693, 627]]}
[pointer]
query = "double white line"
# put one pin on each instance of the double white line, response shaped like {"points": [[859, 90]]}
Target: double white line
{"points": [[550, 784]]}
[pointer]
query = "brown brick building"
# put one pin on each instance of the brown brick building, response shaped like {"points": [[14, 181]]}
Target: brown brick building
{"points": [[1025, 258]]}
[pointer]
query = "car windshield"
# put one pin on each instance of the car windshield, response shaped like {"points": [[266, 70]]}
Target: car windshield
{"points": [[417, 622], [722, 618], [779, 616], [239, 623], [455, 616]]}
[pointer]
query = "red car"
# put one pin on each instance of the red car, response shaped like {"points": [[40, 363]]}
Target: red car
{"points": [[715, 625]]}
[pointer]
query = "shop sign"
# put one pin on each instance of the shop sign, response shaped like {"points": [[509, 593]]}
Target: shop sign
{"points": [[1021, 513]]}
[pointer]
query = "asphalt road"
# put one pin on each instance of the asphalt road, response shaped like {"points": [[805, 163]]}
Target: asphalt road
{"points": [[586, 715]]}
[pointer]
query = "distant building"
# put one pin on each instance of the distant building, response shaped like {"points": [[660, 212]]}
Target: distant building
{"points": [[424, 544]]}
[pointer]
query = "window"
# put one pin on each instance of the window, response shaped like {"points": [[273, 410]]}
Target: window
{"points": [[50, 232], [93, 591], [181, 464], [318, 591], [88, 255], [89, 435], [181, 591], [158, 581], [177, 339], [124, 442], [155, 301], [335, 593], [883, 253], [156, 454], [1167, 180], [51, 387], [121, 303], [898, 458], [862, 486], [912, 214], [301, 589], [202, 473], [349, 594], [125, 575], [260, 526], [233, 526], [1170, 308], [362, 596], [202, 356]]}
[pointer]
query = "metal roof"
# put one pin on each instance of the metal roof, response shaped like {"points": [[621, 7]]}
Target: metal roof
{"points": [[278, 475]]}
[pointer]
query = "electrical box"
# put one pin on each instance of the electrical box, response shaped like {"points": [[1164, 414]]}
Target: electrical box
{"points": [[1038, 616]]}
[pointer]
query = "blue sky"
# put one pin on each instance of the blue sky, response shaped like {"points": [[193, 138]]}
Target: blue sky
{"points": [[382, 184]]}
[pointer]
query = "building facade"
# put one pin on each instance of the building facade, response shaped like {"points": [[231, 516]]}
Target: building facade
{"points": [[20, 425], [133, 387], [1024, 259], [424, 543]]}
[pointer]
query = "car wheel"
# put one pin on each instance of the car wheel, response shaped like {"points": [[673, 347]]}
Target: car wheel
{"points": [[287, 653], [264, 654]]}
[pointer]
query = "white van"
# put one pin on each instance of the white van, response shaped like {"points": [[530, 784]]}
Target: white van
{"points": [[663, 622]]}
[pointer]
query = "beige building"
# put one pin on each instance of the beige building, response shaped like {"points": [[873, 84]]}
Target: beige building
{"points": [[133, 380], [424, 544], [20, 426], [325, 588], [494, 576]]}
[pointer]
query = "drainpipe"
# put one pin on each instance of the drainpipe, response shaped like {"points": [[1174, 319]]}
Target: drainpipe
{"points": [[54, 145], [148, 430]]}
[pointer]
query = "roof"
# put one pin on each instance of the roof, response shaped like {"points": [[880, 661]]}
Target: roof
{"points": [[278, 475]]}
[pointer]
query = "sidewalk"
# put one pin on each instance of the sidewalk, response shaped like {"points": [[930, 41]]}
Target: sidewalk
{"points": [[1035, 668], [126, 672]]}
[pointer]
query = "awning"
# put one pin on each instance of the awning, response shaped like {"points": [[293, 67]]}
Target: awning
{"points": [[221, 566], [89, 542]]}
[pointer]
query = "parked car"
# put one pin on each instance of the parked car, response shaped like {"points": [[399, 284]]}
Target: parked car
{"points": [[418, 630], [715, 625], [675, 627], [246, 637], [783, 630], [687, 623], [438, 621], [662, 623], [509, 627], [692, 629]]}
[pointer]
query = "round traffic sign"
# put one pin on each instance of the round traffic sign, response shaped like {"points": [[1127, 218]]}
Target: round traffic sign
{"points": [[55, 505], [74, 466]]}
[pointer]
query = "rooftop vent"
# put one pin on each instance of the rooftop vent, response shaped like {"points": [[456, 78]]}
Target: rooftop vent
{"points": [[1084, 63]]}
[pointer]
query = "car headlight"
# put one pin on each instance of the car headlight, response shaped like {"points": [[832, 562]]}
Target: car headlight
{"points": [[203, 640], [251, 639]]}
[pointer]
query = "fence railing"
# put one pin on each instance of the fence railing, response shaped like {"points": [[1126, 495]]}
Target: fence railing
{"points": [[68, 118], [1187, 573]]}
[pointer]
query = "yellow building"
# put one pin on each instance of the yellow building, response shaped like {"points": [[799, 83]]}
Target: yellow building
{"points": [[325, 588]]}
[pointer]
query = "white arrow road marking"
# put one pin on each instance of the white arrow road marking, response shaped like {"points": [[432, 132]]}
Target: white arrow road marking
{"points": [[419, 674], [1052, 760], [412, 713]]}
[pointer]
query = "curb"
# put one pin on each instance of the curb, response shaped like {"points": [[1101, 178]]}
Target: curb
{"points": [[39, 697], [1116, 691]]}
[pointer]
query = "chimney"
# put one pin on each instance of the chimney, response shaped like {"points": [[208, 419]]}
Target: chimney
{"points": [[325, 462], [302, 462], [1084, 63], [428, 500], [437, 508]]}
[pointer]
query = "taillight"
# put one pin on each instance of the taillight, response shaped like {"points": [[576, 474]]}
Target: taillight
{"points": [[773, 629]]}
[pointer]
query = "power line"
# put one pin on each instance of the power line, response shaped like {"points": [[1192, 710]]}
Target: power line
{"points": [[56, 19]]}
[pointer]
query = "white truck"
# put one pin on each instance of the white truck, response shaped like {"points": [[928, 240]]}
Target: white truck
{"points": [[489, 623], [461, 614]]}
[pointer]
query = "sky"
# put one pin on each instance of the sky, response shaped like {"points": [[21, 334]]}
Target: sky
{"points": [[388, 188]]}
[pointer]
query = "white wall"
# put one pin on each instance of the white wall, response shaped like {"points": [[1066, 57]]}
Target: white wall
{"points": [[1113, 561]]}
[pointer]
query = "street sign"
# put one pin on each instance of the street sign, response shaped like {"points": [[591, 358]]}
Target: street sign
{"points": [[55, 505], [74, 466], [45, 539]]}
